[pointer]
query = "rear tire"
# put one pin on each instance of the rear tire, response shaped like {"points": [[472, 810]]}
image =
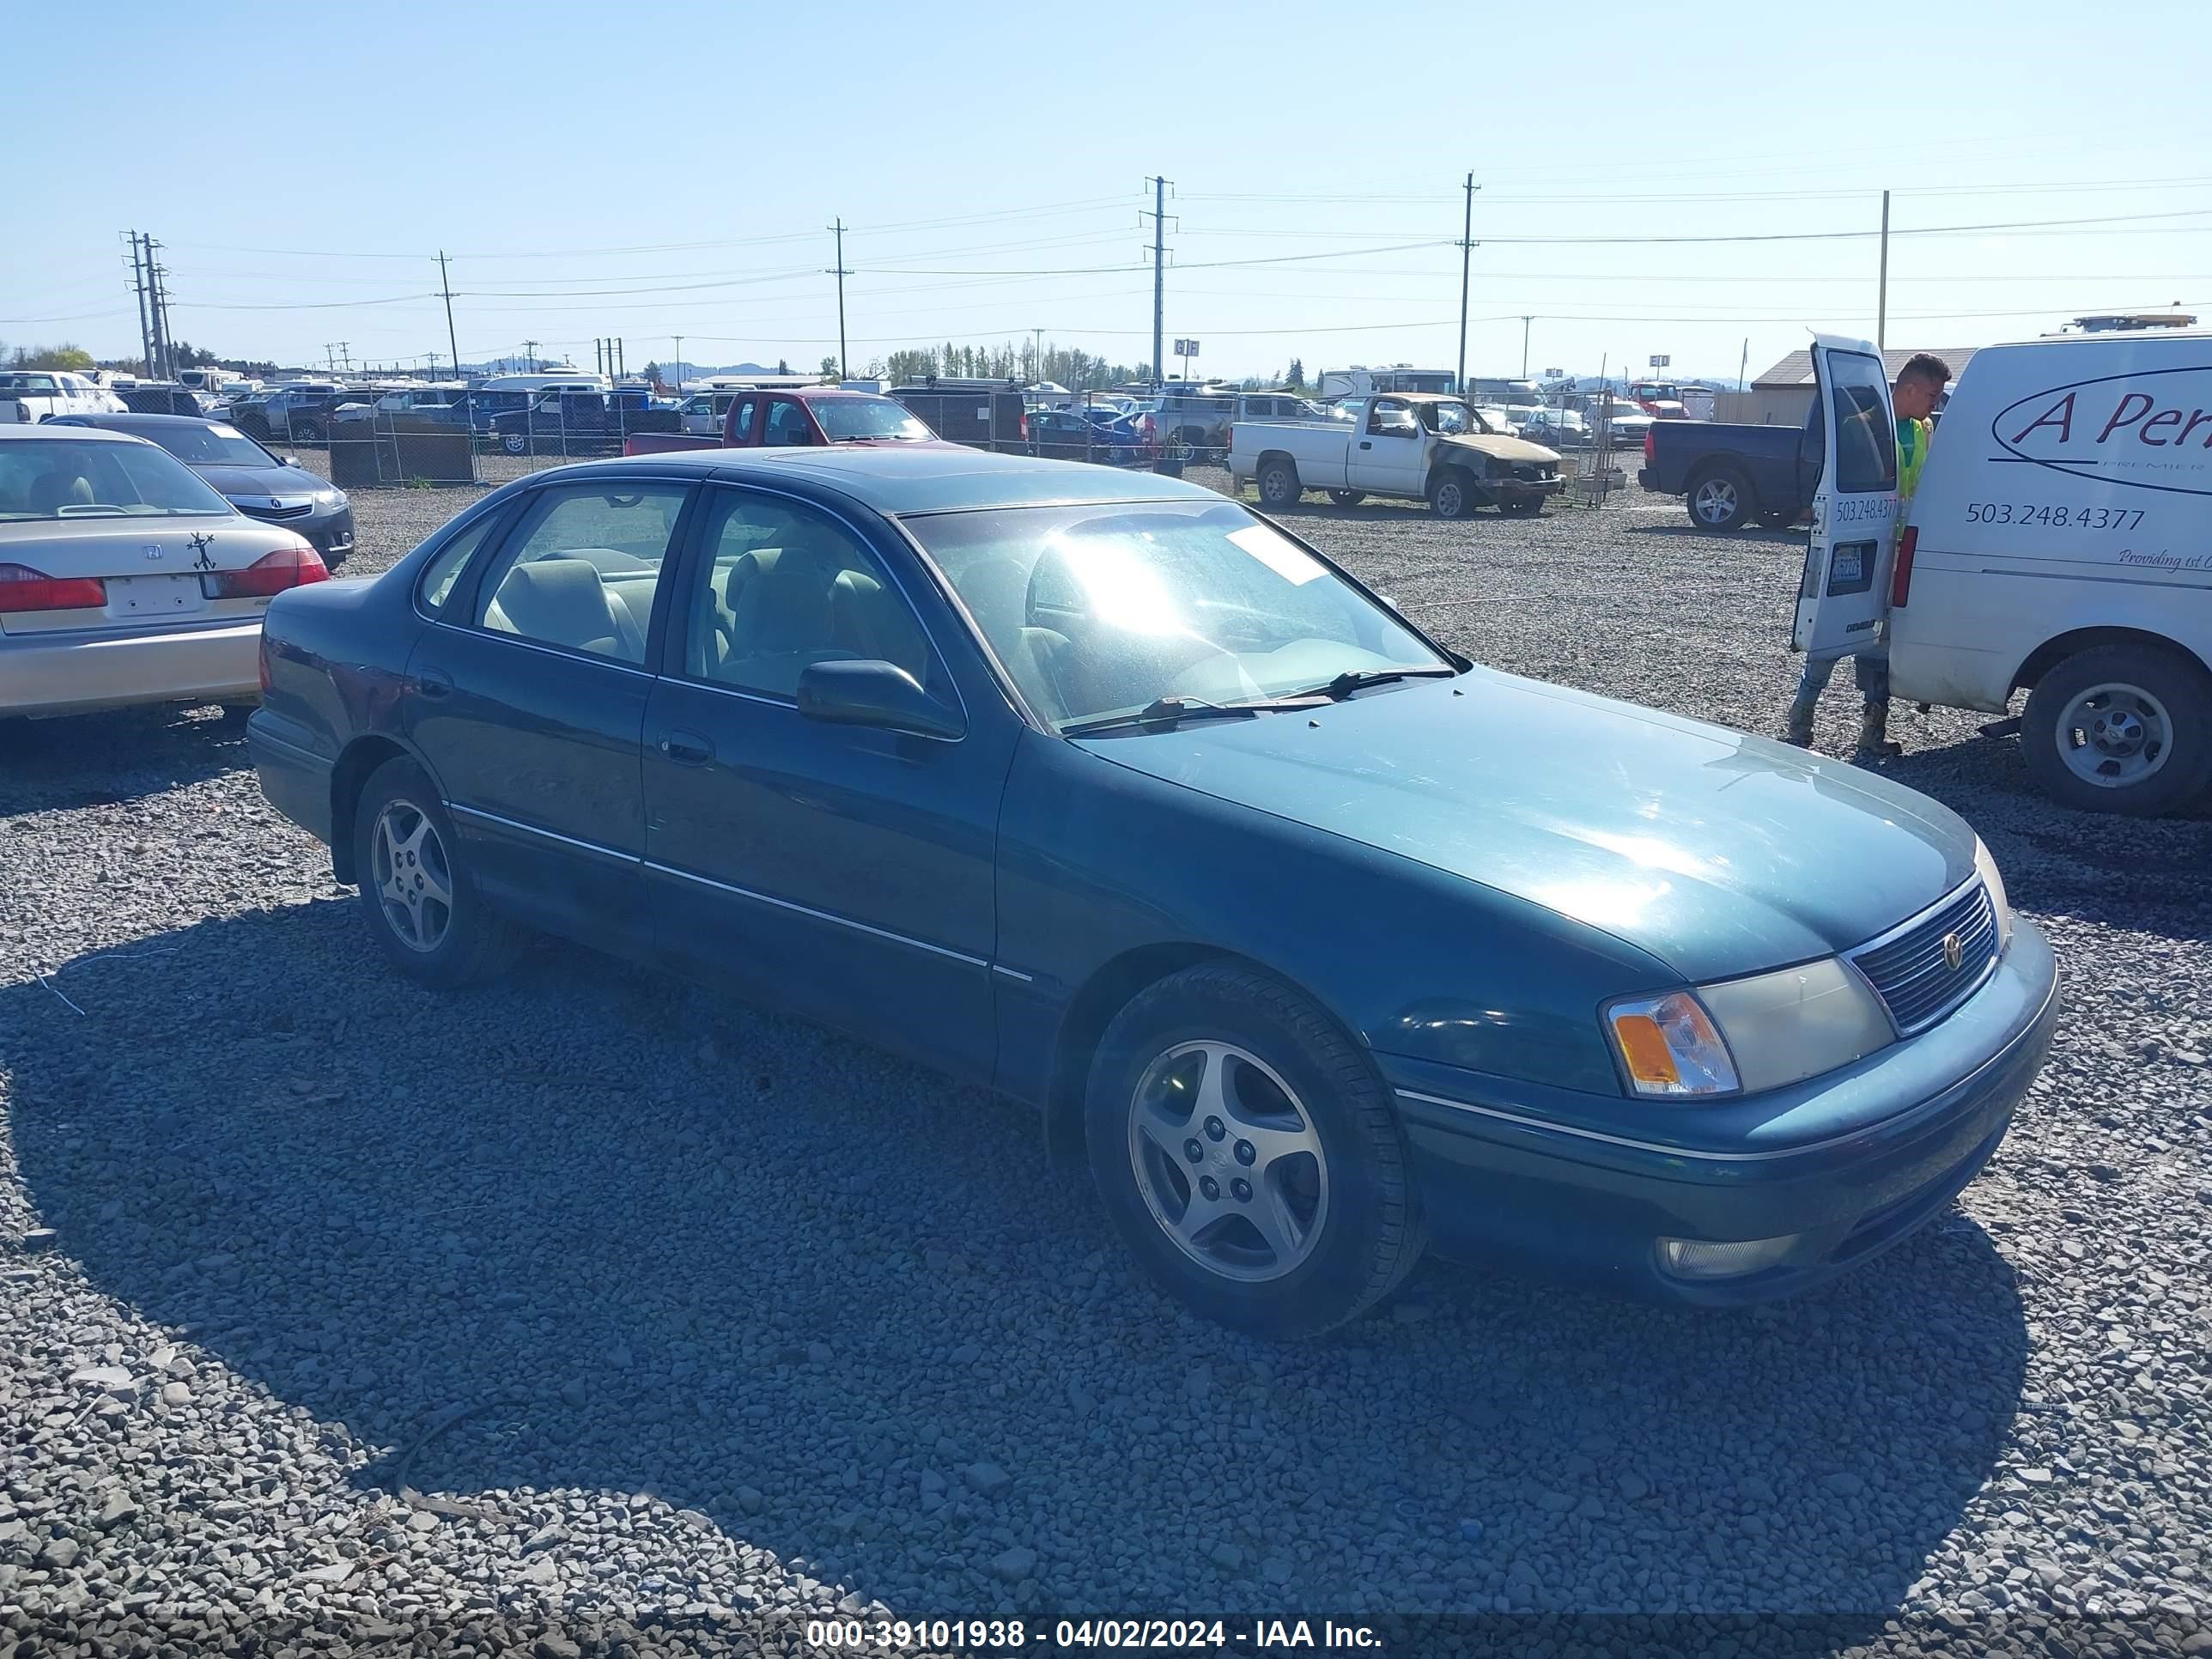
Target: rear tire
{"points": [[515, 443], [1279, 485], [2120, 728], [1721, 499], [1452, 494], [421, 903], [1313, 1216], [1347, 497]]}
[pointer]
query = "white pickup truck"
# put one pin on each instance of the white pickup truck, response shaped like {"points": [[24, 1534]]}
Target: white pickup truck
{"points": [[1417, 445], [29, 395]]}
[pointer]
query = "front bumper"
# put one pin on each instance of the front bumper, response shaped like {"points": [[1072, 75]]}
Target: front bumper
{"points": [[1851, 1163], [79, 674]]}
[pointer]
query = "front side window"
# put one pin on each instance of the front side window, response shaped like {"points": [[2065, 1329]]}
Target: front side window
{"points": [[1098, 611], [88, 479], [1866, 444], [786, 424], [581, 569], [785, 586]]}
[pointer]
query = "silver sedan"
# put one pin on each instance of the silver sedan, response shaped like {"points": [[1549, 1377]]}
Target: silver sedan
{"points": [[125, 578]]}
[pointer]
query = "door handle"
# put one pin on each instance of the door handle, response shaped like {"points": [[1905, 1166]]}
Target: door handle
{"points": [[1365, 445], [686, 748], [433, 682]]}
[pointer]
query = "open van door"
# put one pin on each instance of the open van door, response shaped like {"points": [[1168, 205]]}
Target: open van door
{"points": [[1843, 597]]}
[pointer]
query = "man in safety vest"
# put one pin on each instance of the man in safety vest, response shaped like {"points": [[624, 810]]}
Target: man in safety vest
{"points": [[1918, 387]]}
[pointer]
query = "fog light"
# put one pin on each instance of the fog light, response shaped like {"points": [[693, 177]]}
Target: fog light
{"points": [[1696, 1258]]}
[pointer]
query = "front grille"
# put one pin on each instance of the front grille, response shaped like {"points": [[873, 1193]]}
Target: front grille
{"points": [[256, 511], [1909, 969]]}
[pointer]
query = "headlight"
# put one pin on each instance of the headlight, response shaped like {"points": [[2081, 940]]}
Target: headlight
{"points": [[1744, 1035], [329, 497], [1986, 868]]}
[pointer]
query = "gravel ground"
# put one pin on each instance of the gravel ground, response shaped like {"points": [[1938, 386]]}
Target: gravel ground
{"points": [[329, 1304]]}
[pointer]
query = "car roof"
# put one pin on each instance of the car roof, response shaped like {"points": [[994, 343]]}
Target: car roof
{"points": [[16, 432], [133, 421], [910, 478]]}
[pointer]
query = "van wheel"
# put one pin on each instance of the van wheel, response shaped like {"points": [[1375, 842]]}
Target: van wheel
{"points": [[1452, 494], [1721, 500], [1278, 486], [515, 444], [2121, 728], [1249, 1154], [1347, 497]]}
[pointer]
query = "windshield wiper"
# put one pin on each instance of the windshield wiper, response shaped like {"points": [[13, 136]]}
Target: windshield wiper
{"points": [[1354, 680], [1171, 711]]}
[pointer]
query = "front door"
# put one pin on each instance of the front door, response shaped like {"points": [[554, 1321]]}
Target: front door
{"points": [[1386, 453], [1843, 594], [841, 871], [528, 702], [788, 423]]}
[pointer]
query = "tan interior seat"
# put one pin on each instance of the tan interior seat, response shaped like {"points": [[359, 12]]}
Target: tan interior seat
{"points": [[562, 602]]}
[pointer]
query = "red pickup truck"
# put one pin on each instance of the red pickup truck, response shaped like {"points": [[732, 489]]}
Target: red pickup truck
{"points": [[798, 415]]}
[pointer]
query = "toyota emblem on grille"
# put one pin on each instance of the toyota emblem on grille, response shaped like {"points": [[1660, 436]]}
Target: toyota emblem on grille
{"points": [[1954, 952]]}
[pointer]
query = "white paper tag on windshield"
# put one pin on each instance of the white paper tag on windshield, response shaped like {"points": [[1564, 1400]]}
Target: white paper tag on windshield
{"points": [[1279, 553]]}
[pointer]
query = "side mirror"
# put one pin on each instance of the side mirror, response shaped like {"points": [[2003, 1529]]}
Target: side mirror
{"points": [[881, 694], [291, 460]]}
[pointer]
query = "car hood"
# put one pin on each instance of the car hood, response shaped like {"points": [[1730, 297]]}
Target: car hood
{"points": [[285, 483], [1503, 448], [1719, 853]]}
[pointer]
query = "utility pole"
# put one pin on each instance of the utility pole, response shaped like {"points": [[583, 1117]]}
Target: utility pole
{"points": [[1525, 321], [840, 274], [445, 288], [622, 359], [1159, 273], [145, 327], [598, 356], [1466, 260], [679, 370], [163, 368], [1881, 299], [530, 354], [1743, 365], [345, 356]]}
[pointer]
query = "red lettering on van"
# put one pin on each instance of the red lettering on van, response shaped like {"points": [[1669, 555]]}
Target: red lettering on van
{"points": [[2121, 416], [2060, 415]]}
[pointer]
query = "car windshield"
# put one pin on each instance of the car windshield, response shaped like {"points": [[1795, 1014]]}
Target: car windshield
{"points": [[1103, 611], [844, 419], [71, 479], [212, 446]]}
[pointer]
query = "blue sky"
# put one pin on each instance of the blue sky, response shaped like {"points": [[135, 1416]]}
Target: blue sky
{"points": [[600, 170]]}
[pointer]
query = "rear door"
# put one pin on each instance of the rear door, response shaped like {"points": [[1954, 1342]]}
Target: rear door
{"points": [[1842, 595], [527, 699]]}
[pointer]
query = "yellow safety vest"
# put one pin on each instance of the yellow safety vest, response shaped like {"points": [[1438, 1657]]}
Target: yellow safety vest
{"points": [[1912, 440]]}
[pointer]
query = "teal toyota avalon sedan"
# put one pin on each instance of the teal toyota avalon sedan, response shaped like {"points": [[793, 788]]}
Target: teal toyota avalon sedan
{"points": [[1320, 943]]}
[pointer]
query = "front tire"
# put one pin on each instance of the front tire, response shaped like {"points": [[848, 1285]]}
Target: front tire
{"points": [[1278, 486], [515, 443], [1452, 494], [1347, 497], [2120, 728], [1298, 1212], [1721, 500], [421, 903]]}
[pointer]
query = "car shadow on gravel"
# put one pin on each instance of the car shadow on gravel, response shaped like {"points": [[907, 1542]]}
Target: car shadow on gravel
{"points": [[588, 1232], [94, 760]]}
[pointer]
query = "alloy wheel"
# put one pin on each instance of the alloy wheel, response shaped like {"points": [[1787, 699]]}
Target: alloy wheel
{"points": [[413, 877], [1715, 501], [1228, 1161]]}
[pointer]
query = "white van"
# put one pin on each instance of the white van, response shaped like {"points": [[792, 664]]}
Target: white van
{"points": [[2060, 542]]}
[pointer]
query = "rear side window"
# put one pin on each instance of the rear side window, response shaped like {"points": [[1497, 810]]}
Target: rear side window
{"points": [[443, 571], [582, 569], [1866, 444]]}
